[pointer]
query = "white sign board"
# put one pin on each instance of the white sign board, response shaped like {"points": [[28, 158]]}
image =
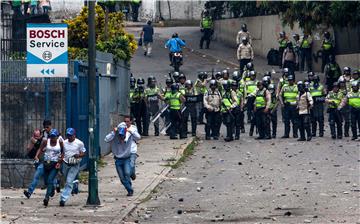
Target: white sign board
{"points": [[47, 50]]}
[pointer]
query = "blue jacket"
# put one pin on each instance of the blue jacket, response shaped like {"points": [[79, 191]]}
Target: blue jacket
{"points": [[175, 44]]}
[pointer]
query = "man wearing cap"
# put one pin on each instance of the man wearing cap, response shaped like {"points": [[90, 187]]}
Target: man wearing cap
{"points": [[353, 100], [212, 104], [122, 140], [74, 150]]}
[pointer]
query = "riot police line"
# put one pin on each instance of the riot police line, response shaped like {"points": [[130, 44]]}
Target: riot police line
{"points": [[224, 99]]}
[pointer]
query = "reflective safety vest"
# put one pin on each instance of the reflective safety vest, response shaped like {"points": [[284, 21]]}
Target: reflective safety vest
{"points": [[290, 93], [334, 71], [335, 98], [226, 102], [239, 95], [202, 89], [174, 101], [138, 96], [283, 82], [283, 43], [250, 86], [354, 99], [206, 23], [182, 89], [318, 92], [152, 94], [305, 43], [167, 92], [327, 45], [260, 98], [131, 95], [273, 101]]}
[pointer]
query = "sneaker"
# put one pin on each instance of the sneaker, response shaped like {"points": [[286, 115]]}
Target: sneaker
{"points": [[62, 203], [27, 194], [130, 193], [46, 202], [133, 176]]}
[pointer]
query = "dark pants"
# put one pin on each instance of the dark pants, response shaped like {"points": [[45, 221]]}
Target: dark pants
{"points": [[135, 11], [200, 109], [305, 56], [290, 65], [261, 122], [355, 121], [133, 109], [291, 114], [325, 58], [26, 6], [46, 9], [175, 119], [335, 119], [140, 117], [206, 37], [49, 176], [249, 108], [239, 119], [345, 113], [273, 120], [151, 111], [213, 123], [304, 125], [243, 63], [317, 117], [228, 120], [281, 52], [191, 111]]}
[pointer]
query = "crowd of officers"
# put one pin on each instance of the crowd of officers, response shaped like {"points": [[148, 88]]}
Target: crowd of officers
{"points": [[225, 99]]}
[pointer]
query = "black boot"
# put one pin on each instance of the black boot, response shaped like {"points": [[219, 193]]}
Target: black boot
{"points": [[237, 133], [346, 129]]}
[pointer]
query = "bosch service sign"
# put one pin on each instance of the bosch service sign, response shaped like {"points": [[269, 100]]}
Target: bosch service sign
{"points": [[47, 50]]}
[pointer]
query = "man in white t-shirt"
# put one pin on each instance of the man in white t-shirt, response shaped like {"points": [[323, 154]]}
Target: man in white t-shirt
{"points": [[74, 150]]}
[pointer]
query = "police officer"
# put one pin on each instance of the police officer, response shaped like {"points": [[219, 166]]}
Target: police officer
{"points": [[305, 52], [244, 53], [140, 107], [246, 73], [288, 102], [182, 80], [191, 97], [261, 109], [175, 99], [131, 94], [176, 76], [345, 110], [243, 33], [240, 83], [318, 94], [273, 110], [166, 94], [355, 76], [282, 40], [206, 26], [152, 94], [250, 88], [347, 77], [200, 87], [283, 80], [327, 48], [228, 103], [304, 104], [212, 103], [332, 72], [353, 100], [333, 99], [238, 110]]}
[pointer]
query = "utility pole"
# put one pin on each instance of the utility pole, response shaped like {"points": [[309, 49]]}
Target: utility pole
{"points": [[93, 195]]}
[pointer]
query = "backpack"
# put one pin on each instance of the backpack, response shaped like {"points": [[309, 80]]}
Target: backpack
{"points": [[273, 57]]}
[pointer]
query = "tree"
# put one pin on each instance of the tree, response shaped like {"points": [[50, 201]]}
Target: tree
{"points": [[110, 38]]}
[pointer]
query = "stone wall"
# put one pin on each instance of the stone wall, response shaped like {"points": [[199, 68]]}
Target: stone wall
{"points": [[17, 173], [265, 30]]}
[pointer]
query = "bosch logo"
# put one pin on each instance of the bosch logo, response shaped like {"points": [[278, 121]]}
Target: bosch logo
{"points": [[47, 55]]}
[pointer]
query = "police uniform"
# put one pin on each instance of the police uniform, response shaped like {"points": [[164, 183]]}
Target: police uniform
{"points": [[317, 92], [206, 26], [327, 50], [288, 96], [262, 102], [212, 103], [353, 100], [192, 99], [166, 94], [200, 87], [228, 103], [132, 102], [345, 113], [305, 54], [282, 46], [334, 99], [273, 116], [152, 97], [250, 88], [332, 73], [304, 102], [140, 109], [238, 114], [174, 100]]}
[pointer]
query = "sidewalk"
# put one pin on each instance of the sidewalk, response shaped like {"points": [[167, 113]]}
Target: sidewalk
{"points": [[154, 154]]}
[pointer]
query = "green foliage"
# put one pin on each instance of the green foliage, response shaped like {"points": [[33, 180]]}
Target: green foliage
{"points": [[116, 41]]}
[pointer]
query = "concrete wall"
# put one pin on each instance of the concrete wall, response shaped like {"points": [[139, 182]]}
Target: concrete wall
{"points": [[265, 30], [17, 173]]}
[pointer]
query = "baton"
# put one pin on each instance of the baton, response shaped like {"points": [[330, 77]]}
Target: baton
{"points": [[158, 114]]}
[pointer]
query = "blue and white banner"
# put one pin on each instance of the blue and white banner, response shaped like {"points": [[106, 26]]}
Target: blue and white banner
{"points": [[47, 50]]}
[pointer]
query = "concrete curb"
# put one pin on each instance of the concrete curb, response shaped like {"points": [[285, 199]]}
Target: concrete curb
{"points": [[154, 183]]}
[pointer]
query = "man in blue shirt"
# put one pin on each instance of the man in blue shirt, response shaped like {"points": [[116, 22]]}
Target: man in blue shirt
{"points": [[174, 44], [147, 35]]}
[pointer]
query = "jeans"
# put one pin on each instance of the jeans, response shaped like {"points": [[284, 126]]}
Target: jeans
{"points": [[123, 168], [147, 46], [38, 173], [70, 173], [50, 176], [133, 157]]}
